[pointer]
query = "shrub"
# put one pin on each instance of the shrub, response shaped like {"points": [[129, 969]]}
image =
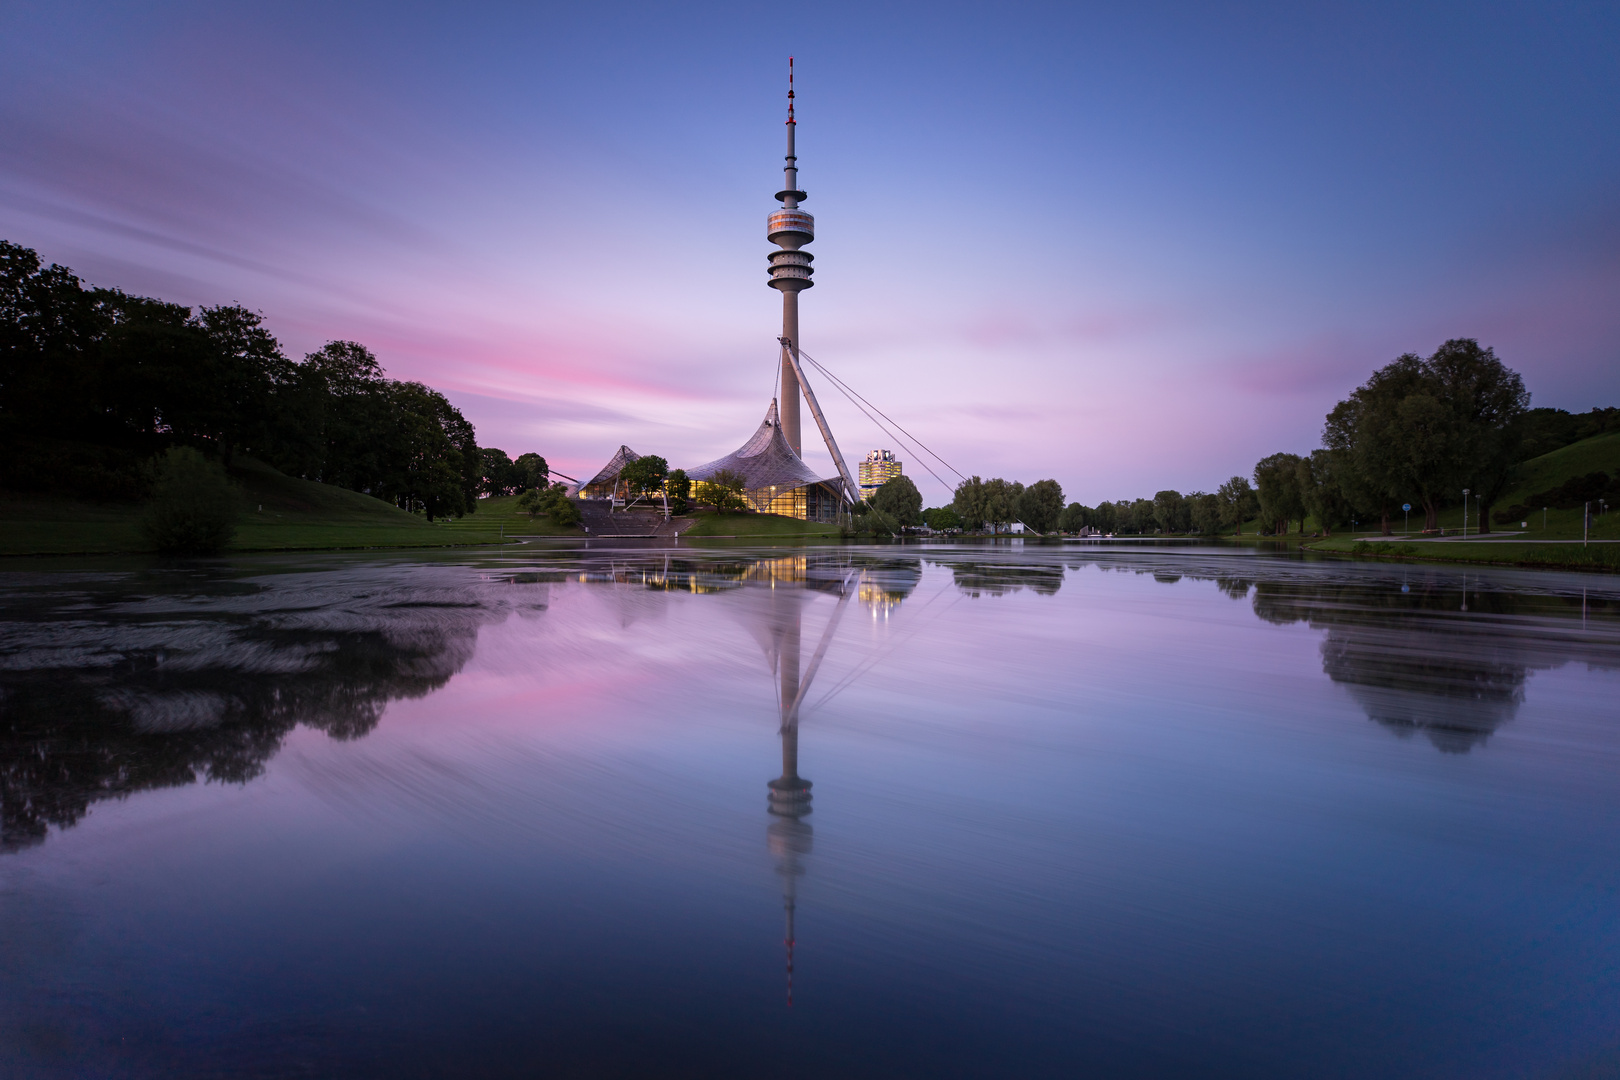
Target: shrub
{"points": [[553, 502], [193, 509]]}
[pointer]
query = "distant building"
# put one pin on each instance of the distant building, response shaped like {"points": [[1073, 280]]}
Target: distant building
{"points": [[879, 468]]}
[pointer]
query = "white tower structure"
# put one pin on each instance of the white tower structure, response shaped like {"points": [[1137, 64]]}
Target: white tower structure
{"points": [[790, 229]]}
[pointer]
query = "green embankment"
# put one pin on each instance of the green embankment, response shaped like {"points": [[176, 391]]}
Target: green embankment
{"points": [[280, 513], [1552, 556], [500, 514], [1549, 540], [1601, 453], [758, 526]]}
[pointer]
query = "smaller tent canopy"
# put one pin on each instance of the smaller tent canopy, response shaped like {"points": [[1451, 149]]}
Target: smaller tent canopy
{"points": [[603, 483]]}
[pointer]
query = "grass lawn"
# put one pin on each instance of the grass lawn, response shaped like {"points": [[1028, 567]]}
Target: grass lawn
{"points": [[501, 516], [280, 513], [762, 526]]}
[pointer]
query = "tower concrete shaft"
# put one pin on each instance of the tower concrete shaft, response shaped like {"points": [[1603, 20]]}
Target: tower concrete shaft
{"points": [[789, 405], [790, 229]]}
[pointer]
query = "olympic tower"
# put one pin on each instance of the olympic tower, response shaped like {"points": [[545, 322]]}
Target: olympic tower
{"points": [[790, 229]]}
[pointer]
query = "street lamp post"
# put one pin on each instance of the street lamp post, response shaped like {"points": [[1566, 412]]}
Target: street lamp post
{"points": [[1406, 508], [1465, 513]]}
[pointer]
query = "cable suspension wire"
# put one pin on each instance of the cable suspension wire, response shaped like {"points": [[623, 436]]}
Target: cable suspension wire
{"points": [[878, 657], [876, 422], [880, 412], [879, 425]]}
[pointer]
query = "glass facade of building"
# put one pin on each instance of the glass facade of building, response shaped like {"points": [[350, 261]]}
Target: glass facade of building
{"points": [[812, 502]]}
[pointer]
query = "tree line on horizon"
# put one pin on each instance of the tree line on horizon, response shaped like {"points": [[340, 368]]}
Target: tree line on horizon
{"points": [[1419, 431], [96, 384]]}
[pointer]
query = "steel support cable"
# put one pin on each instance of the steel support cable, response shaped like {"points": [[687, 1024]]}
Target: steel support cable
{"points": [[856, 400], [837, 385], [880, 412], [872, 661], [791, 715]]}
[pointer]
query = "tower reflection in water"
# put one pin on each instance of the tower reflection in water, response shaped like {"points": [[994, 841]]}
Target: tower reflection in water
{"points": [[780, 631]]}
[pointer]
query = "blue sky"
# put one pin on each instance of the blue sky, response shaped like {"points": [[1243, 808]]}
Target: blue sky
{"points": [[1128, 247]]}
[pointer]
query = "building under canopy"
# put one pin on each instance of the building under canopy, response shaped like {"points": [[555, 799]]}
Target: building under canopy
{"points": [[775, 479]]}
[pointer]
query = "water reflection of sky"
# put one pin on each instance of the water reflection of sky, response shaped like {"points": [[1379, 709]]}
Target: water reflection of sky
{"points": [[1027, 814]]}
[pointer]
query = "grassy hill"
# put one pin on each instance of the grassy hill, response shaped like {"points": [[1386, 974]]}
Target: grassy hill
{"points": [[1601, 453], [280, 513], [1541, 544]]}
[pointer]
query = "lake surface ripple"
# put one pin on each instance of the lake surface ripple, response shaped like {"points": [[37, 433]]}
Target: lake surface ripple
{"points": [[830, 812]]}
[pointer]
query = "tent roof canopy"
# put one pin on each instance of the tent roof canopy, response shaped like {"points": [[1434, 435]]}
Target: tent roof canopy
{"points": [[765, 460]]}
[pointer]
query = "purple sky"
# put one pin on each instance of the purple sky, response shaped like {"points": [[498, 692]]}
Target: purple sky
{"points": [[1129, 251]]}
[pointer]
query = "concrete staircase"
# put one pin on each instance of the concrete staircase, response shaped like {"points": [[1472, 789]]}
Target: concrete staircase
{"points": [[600, 520]]}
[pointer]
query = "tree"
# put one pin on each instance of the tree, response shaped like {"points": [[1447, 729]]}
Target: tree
{"points": [[942, 518], [680, 491], [724, 491], [244, 369], [536, 473], [1140, 515], [1490, 402], [1426, 429], [898, 498], [432, 459], [1276, 481], [1001, 499], [1074, 518], [1040, 505], [969, 503], [1238, 502], [1204, 511], [194, 507], [501, 476], [347, 408], [1320, 492], [645, 475], [1170, 512]]}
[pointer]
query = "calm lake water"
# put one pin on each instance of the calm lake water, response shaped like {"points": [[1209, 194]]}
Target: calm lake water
{"points": [[1036, 812]]}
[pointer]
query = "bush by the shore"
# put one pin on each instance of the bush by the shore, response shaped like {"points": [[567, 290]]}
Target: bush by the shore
{"points": [[194, 507]]}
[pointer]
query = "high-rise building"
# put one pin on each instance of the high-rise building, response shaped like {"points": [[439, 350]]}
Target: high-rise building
{"points": [[879, 468]]}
